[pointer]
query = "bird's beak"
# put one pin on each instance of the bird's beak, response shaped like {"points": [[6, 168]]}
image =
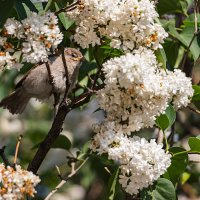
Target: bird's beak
{"points": [[81, 58]]}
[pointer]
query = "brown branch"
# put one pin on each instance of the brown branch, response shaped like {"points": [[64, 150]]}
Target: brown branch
{"points": [[64, 180], [196, 32], [194, 110], [160, 136], [69, 7], [53, 134], [56, 128], [3, 156], [187, 51]]}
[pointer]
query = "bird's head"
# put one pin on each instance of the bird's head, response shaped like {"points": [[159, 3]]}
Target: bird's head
{"points": [[74, 54]]}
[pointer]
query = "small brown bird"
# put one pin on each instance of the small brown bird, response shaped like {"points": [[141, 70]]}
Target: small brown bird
{"points": [[36, 83]]}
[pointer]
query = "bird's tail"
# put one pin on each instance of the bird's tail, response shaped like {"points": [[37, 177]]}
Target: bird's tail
{"points": [[16, 102]]}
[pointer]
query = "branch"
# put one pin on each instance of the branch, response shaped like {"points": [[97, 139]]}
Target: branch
{"points": [[160, 136], [194, 110], [63, 181], [196, 32], [188, 49], [3, 156], [69, 7], [56, 128], [53, 134]]}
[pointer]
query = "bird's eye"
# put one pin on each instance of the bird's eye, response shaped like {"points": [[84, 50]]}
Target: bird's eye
{"points": [[74, 55]]}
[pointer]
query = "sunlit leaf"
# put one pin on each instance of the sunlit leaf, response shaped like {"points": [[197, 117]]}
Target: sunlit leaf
{"points": [[194, 144]]}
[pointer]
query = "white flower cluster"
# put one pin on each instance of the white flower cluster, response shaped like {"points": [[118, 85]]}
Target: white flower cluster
{"points": [[138, 90], [38, 36], [127, 23], [16, 183], [141, 162], [6, 55]]}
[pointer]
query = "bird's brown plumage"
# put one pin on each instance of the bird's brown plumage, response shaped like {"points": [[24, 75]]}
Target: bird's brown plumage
{"points": [[36, 82]]}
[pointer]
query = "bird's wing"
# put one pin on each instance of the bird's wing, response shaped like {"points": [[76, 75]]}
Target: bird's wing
{"points": [[20, 83]]}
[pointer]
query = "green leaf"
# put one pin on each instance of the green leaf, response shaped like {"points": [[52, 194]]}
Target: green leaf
{"points": [[65, 21], [185, 177], [62, 142], [185, 38], [194, 144], [164, 189], [161, 57], [166, 120], [39, 8], [172, 6], [196, 96], [49, 5], [171, 49], [178, 165], [112, 185], [171, 115], [21, 11], [5, 10], [162, 121], [29, 4]]}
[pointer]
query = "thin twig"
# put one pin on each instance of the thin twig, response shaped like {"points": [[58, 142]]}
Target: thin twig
{"points": [[63, 181], [3, 156], [194, 110], [195, 16], [196, 32], [160, 136], [17, 148], [187, 50], [171, 136], [69, 7]]}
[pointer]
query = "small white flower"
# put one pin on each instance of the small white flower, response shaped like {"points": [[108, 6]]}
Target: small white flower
{"points": [[16, 183], [129, 24], [141, 162], [12, 26], [40, 36], [137, 90]]}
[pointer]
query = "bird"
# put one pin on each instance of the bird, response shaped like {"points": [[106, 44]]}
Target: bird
{"points": [[36, 82]]}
